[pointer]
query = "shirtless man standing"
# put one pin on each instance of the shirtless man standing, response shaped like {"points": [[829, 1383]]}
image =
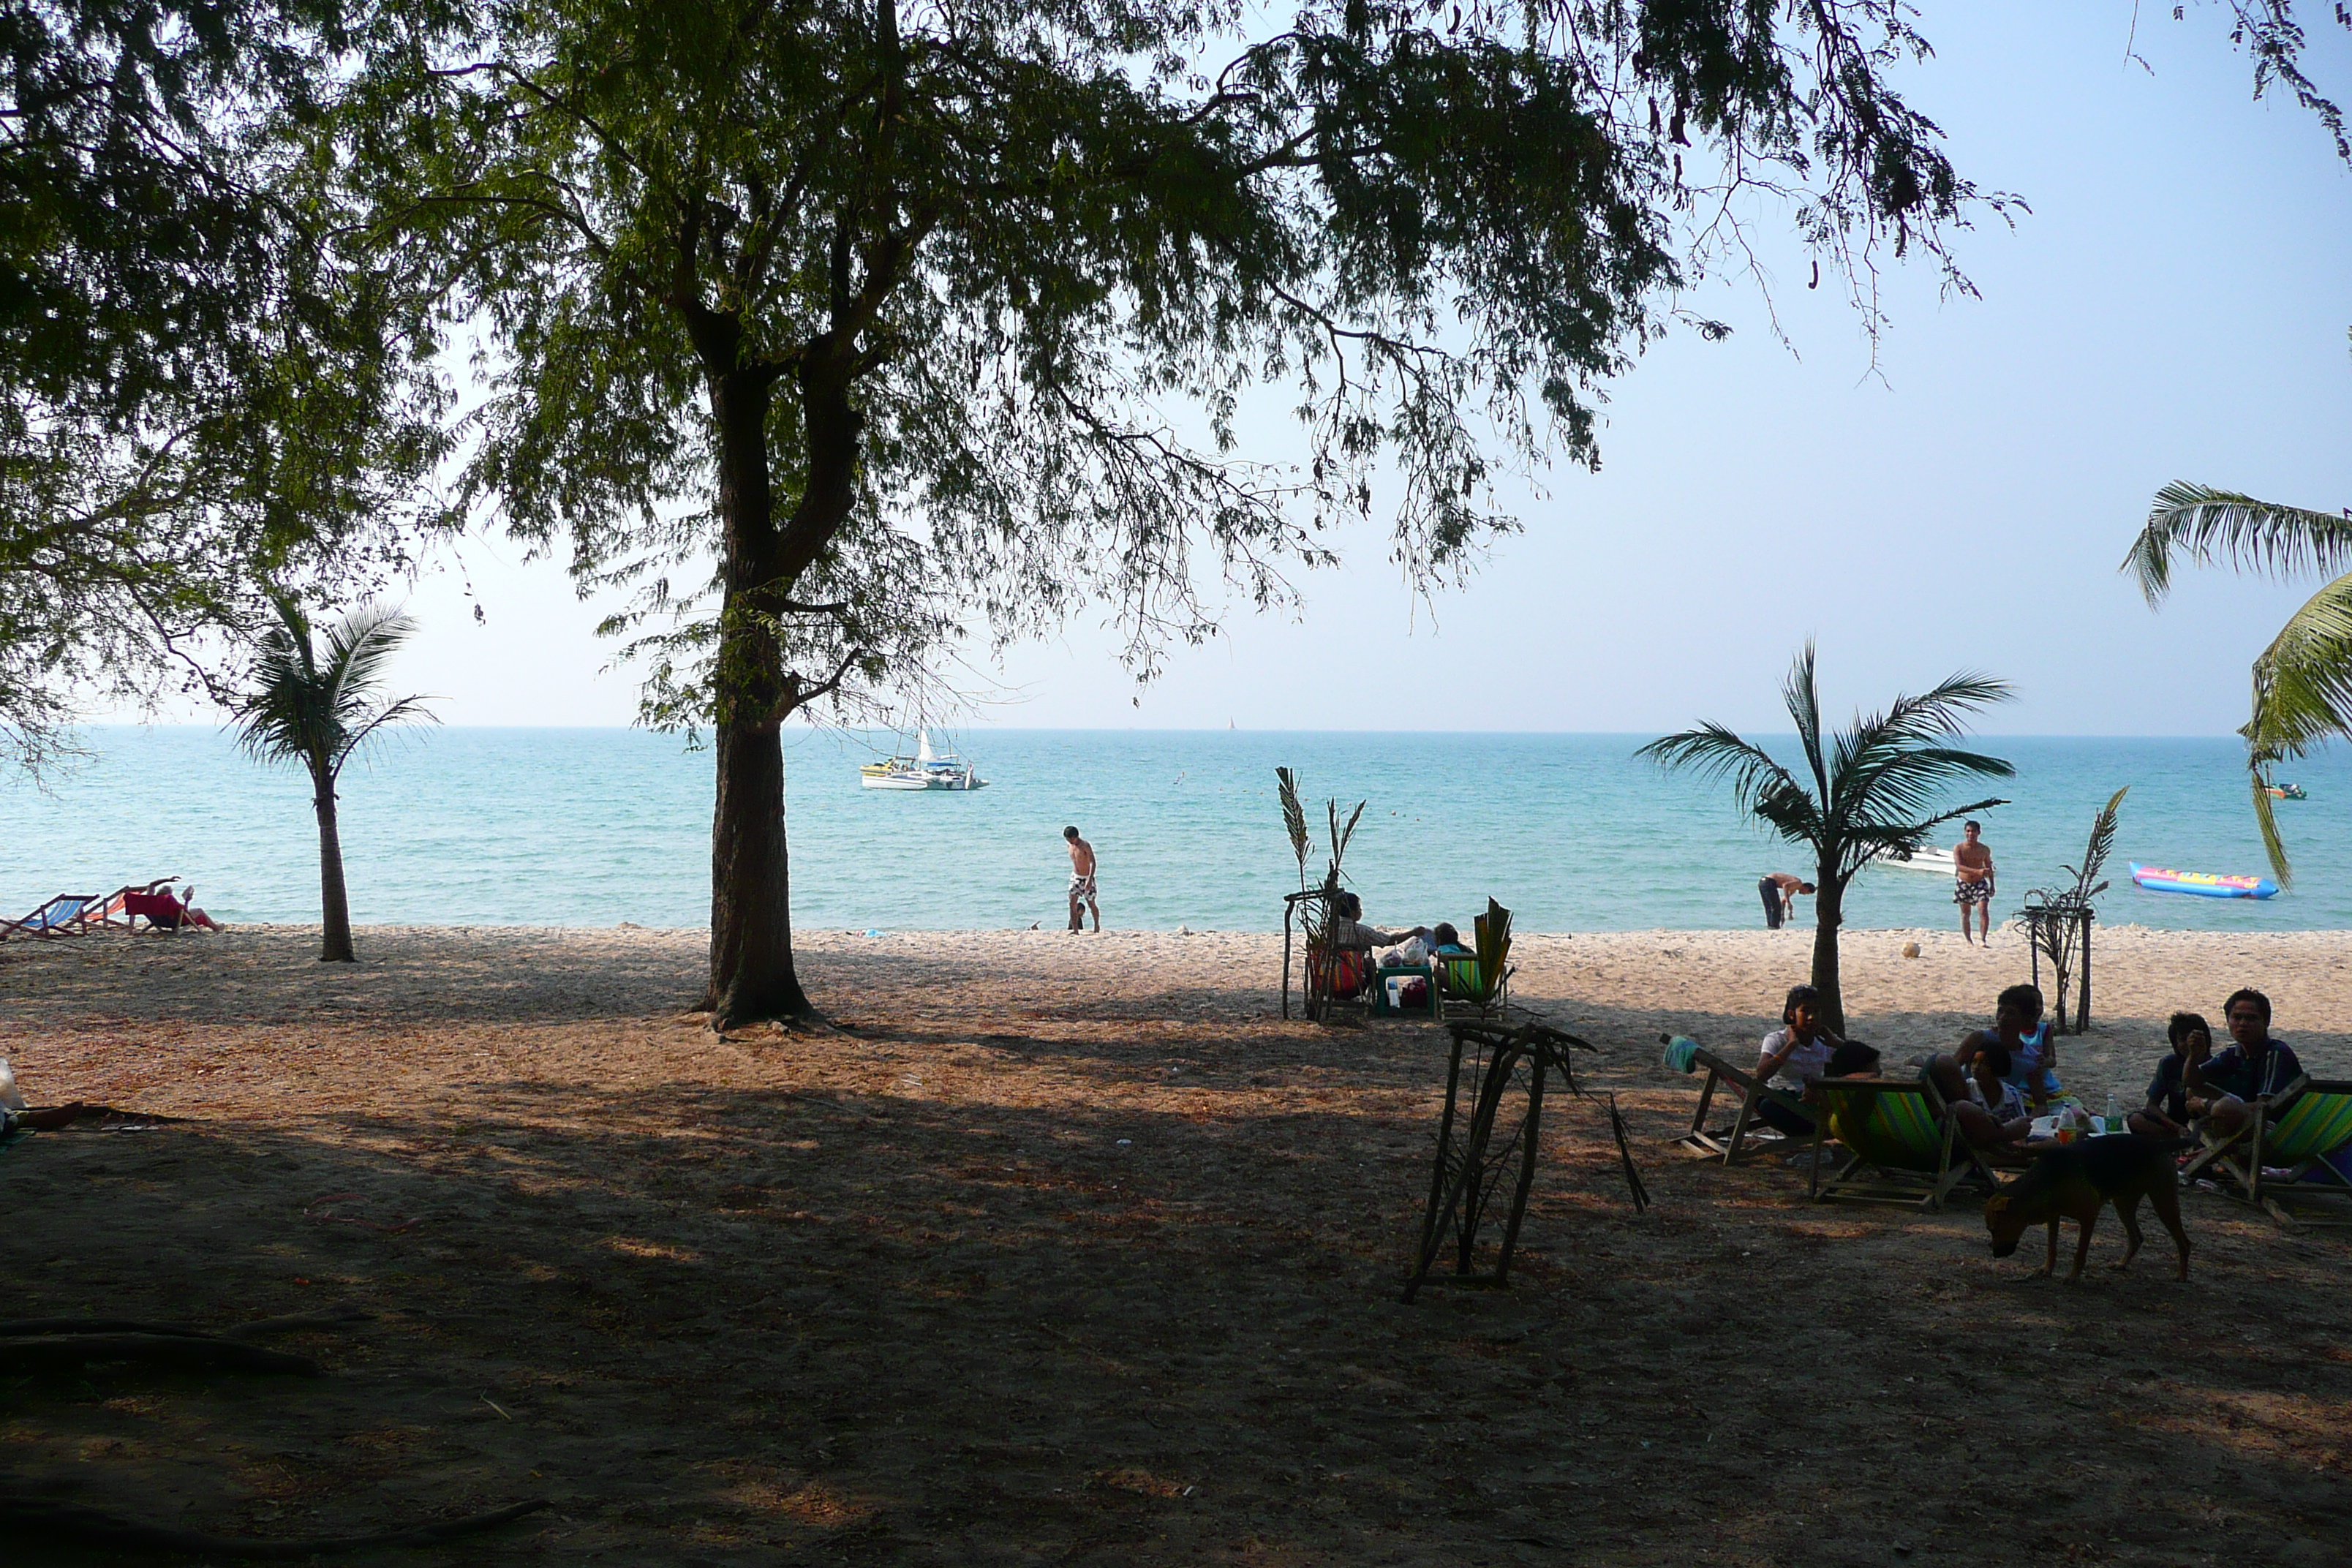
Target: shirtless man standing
{"points": [[1972, 880], [1082, 881]]}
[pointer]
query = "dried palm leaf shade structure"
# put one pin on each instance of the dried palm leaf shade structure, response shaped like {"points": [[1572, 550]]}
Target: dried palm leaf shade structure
{"points": [[1497, 1139]]}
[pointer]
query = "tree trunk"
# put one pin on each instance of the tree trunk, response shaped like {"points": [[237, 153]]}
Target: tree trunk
{"points": [[1828, 910], [334, 904], [752, 972]]}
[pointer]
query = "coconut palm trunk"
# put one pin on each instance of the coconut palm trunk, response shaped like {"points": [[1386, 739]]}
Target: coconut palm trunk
{"points": [[1828, 914], [334, 903]]}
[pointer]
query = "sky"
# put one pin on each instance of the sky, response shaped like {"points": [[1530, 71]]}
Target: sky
{"points": [[2175, 306]]}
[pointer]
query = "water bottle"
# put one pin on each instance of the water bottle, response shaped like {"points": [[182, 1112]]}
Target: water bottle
{"points": [[2114, 1121], [10, 1100]]}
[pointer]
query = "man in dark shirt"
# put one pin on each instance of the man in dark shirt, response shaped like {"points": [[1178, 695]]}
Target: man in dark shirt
{"points": [[2249, 1073], [2170, 1109]]}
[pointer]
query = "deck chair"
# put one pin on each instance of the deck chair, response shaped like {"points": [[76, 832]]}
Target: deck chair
{"points": [[2314, 1122], [1479, 983], [1901, 1146], [68, 915], [162, 910], [1752, 1091]]}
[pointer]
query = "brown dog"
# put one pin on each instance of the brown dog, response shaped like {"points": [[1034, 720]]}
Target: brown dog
{"points": [[2072, 1182]]}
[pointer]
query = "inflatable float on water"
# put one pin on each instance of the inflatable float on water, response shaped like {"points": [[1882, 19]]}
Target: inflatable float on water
{"points": [[2205, 884]]}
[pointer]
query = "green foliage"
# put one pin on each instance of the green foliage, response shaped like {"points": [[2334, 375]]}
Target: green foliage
{"points": [[881, 312], [1874, 789], [2303, 680], [2096, 853], [1294, 818], [1492, 944], [199, 391], [319, 712]]}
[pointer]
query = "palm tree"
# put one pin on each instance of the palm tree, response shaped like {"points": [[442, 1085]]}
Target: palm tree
{"points": [[1873, 790], [317, 712], [2302, 681]]}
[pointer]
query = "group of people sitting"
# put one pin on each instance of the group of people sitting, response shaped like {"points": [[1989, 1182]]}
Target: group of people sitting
{"points": [[1352, 944], [1996, 1082]]}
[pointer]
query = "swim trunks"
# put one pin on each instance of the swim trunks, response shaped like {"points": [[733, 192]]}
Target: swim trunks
{"points": [[1972, 892], [1081, 886]]}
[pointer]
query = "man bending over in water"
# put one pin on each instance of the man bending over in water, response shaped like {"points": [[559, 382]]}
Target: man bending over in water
{"points": [[1082, 881]]}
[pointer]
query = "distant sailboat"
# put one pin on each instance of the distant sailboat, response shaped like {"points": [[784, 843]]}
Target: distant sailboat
{"points": [[925, 769]]}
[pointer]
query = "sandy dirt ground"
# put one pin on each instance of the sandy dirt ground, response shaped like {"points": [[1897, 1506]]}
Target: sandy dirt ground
{"points": [[1071, 1250]]}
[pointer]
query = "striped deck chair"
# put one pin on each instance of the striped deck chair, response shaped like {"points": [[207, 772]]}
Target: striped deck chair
{"points": [[68, 915], [1742, 1145], [2314, 1122], [1901, 1148]]}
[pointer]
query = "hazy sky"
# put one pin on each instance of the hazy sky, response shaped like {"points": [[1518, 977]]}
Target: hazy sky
{"points": [[2175, 306]]}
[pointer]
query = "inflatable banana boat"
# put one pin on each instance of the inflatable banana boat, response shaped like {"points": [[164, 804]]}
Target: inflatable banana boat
{"points": [[2205, 884]]}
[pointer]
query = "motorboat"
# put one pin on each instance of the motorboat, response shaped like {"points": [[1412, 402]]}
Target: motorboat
{"points": [[1938, 861], [925, 769]]}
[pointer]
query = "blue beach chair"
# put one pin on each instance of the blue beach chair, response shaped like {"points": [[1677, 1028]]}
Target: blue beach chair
{"points": [[68, 915]]}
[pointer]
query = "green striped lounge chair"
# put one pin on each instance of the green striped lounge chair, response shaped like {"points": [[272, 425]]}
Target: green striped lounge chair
{"points": [[2302, 1141], [1900, 1147]]}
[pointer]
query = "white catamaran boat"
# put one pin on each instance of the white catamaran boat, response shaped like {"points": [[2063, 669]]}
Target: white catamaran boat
{"points": [[925, 769]]}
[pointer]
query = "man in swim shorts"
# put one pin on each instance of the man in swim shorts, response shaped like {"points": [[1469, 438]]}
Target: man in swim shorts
{"points": [[1972, 880], [1082, 881]]}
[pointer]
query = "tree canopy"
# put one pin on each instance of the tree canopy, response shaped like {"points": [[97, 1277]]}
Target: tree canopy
{"points": [[199, 393]]}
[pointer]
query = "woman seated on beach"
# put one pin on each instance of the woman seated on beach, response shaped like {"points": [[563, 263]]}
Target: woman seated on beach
{"points": [[1989, 1109], [1352, 943], [1801, 1053], [2020, 1030], [2171, 1109]]}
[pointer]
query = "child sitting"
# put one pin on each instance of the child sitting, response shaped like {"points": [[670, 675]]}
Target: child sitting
{"points": [[2023, 1034], [2170, 1107], [1991, 1109]]}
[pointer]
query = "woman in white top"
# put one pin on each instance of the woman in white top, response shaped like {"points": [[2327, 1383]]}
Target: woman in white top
{"points": [[1799, 1054]]}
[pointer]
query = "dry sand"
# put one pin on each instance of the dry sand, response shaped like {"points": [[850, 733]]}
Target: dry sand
{"points": [[1072, 1250]]}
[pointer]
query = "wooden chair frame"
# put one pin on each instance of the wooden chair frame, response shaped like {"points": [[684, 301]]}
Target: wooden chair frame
{"points": [[2237, 1163], [1752, 1091]]}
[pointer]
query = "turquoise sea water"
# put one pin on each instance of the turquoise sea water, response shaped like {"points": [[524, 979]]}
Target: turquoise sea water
{"points": [[596, 827]]}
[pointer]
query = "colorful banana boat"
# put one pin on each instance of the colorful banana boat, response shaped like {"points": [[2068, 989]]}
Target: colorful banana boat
{"points": [[2205, 884]]}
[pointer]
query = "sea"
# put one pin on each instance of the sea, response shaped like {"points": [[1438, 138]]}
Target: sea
{"points": [[1573, 833]]}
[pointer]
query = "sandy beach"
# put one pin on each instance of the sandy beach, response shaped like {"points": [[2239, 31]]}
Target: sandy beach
{"points": [[1071, 1250]]}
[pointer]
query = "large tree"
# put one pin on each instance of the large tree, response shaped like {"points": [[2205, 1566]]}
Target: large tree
{"points": [[838, 326], [200, 393]]}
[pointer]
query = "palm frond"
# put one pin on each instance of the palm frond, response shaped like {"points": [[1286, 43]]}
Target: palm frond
{"points": [[2202, 525], [2101, 844], [301, 709], [1339, 835], [1294, 818], [2302, 695], [1801, 693]]}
